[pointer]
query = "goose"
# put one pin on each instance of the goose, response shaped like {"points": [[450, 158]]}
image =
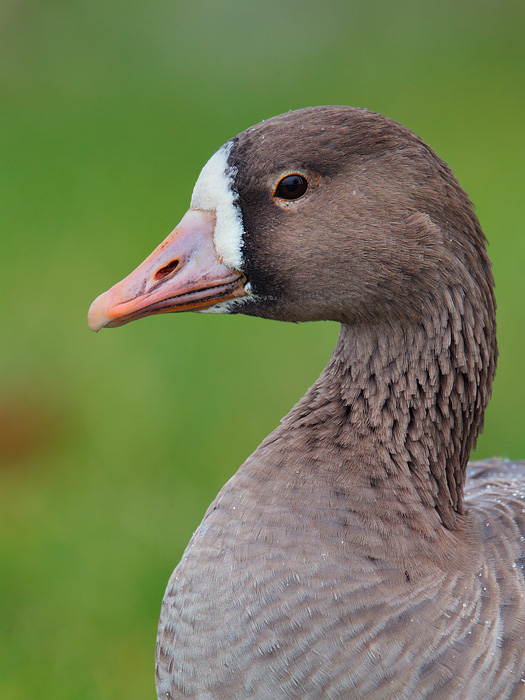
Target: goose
{"points": [[354, 554]]}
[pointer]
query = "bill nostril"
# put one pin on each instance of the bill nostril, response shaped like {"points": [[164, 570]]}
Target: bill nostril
{"points": [[167, 269]]}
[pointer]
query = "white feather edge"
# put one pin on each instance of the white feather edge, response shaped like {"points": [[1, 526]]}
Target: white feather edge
{"points": [[223, 307]]}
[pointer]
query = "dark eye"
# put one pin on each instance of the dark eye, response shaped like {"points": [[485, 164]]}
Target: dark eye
{"points": [[291, 187]]}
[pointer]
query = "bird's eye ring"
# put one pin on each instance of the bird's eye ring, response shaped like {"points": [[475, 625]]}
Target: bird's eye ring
{"points": [[291, 187]]}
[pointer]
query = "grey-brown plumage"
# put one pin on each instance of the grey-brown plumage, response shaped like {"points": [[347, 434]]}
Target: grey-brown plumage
{"points": [[348, 557]]}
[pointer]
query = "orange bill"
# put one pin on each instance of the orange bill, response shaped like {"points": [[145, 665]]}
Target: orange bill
{"points": [[182, 274]]}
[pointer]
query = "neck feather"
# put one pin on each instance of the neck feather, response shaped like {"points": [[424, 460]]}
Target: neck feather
{"points": [[415, 395]]}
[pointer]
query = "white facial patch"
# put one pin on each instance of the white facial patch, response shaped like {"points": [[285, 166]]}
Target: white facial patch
{"points": [[213, 191]]}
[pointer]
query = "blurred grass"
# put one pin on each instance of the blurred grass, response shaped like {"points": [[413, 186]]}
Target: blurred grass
{"points": [[113, 445]]}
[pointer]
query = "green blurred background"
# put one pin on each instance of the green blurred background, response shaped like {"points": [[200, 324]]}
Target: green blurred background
{"points": [[112, 445]]}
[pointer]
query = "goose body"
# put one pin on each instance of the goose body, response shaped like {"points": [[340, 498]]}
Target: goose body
{"points": [[353, 555]]}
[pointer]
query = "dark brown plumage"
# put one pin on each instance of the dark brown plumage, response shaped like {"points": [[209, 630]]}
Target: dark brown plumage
{"points": [[348, 557]]}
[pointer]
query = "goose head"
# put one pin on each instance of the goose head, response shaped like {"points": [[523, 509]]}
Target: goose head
{"points": [[327, 213]]}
